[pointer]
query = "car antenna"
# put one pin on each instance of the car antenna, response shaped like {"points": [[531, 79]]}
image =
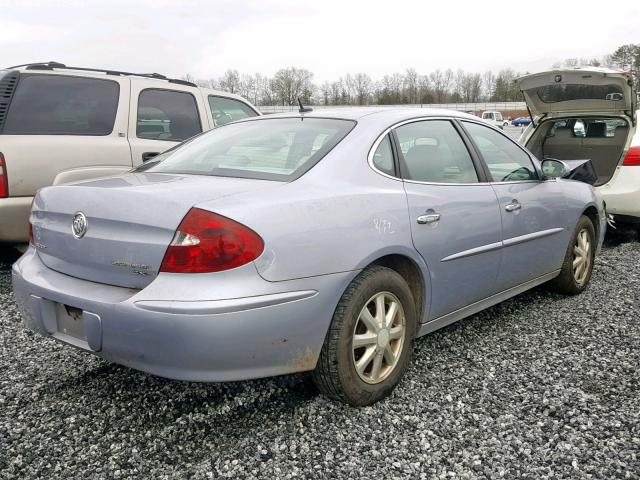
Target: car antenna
{"points": [[303, 109]]}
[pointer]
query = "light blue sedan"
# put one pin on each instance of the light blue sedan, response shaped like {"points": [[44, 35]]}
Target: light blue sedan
{"points": [[322, 241]]}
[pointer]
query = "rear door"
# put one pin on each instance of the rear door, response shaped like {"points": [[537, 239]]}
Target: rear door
{"points": [[162, 115], [455, 221], [61, 128], [534, 212]]}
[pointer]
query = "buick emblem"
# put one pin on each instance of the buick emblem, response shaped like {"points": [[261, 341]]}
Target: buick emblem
{"points": [[79, 225]]}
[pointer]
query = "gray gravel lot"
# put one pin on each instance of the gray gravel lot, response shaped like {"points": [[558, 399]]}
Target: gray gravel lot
{"points": [[541, 386]]}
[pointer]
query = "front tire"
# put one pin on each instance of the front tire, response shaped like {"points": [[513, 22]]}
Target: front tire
{"points": [[578, 261], [369, 342]]}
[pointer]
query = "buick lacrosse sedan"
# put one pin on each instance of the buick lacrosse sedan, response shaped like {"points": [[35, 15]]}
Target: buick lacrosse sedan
{"points": [[323, 241]]}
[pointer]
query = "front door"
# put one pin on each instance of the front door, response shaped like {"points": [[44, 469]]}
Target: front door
{"points": [[455, 221], [534, 212]]}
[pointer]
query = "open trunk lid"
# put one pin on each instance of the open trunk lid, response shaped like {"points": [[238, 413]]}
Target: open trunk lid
{"points": [[128, 222], [579, 90]]}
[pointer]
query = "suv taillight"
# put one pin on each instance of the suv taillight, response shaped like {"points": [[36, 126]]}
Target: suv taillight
{"points": [[207, 242], [4, 180], [632, 157]]}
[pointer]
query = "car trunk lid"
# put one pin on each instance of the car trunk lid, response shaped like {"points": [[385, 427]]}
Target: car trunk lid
{"points": [[579, 90], [128, 222]]}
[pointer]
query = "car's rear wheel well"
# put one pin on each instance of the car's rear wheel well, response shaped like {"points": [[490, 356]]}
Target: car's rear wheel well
{"points": [[592, 214], [409, 270]]}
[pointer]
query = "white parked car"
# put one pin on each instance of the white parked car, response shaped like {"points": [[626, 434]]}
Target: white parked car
{"points": [[495, 119], [589, 113], [61, 124]]}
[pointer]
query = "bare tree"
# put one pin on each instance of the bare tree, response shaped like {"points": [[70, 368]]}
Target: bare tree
{"points": [[361, 86], [411, 86], [488, 84], [292, 83], [230, 81]]}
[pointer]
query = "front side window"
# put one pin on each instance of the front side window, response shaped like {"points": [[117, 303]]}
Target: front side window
{"points": [[167, 115], [270, 149], [433, 151], [506, 161], [226, 110], [62, 105]]}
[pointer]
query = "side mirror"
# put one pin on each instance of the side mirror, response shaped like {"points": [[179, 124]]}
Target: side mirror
{"points": [[552, 168]]}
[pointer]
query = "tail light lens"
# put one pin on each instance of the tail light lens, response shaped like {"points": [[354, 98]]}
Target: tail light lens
{"points": [[207, 242], [4, 180], [632, 157]]}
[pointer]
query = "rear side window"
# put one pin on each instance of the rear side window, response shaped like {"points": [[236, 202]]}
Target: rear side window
{"points": [[167, 115], [506, 161], [61, 105], [225, 110], [383, 157], [269, 149], [434, 152]]}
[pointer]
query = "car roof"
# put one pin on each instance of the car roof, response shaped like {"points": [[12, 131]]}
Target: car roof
{"points": [[153, 78], [374, 114]]}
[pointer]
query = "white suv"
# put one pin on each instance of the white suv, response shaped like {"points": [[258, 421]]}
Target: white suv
{"points": [[589, 113], [495, 119], [61, 124]]}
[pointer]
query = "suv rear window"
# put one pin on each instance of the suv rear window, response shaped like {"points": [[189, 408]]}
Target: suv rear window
{"points": [[226, 110], [167, 115], [62, 105], [269, 149], [567, 92]]}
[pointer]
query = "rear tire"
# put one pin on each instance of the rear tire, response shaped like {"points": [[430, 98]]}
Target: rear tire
{"points": [[367, 347], [578, 261]]}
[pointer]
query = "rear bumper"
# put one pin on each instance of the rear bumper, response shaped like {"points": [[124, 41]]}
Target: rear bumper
{"points": [[622, 193], [278, 328], [14, 218]]}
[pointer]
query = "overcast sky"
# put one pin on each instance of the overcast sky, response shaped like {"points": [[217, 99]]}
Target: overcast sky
{"points": [[328, 37]]}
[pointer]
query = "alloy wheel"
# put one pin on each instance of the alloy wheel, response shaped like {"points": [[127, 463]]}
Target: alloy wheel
{"points": [[582, 257], [378, 337]]}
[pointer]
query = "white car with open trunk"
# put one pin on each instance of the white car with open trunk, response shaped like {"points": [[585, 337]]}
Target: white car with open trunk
{"points": [[589, 113]]}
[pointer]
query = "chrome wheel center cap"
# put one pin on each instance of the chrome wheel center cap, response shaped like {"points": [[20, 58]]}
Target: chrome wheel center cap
{"points": [[383, 338]]}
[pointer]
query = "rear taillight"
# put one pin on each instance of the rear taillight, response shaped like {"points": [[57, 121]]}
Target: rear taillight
{"points": [[4, 180], [207, 242], [632, 157]]}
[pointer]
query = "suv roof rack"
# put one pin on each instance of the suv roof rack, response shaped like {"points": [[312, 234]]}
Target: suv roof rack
{"points": [[62, 66]]}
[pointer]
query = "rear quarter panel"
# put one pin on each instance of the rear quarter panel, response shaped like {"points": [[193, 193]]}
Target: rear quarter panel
{"points": [[316, 228]]}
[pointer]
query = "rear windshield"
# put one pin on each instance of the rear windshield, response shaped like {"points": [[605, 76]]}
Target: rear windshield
{"points": [[566, 92], [61, 105], [268, 149]]}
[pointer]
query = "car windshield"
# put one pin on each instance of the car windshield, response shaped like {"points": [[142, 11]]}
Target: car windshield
{"points": [[268, 149]]}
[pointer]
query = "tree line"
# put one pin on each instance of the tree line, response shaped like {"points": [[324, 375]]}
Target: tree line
{"points": [[408, 87]]}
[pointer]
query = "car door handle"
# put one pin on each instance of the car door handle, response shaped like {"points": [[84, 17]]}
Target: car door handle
{"points": [[513, 206], [146, 156], [428, 218]]}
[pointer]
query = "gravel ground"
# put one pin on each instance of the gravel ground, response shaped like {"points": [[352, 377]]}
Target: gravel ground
{"points": [[541, 386]]}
